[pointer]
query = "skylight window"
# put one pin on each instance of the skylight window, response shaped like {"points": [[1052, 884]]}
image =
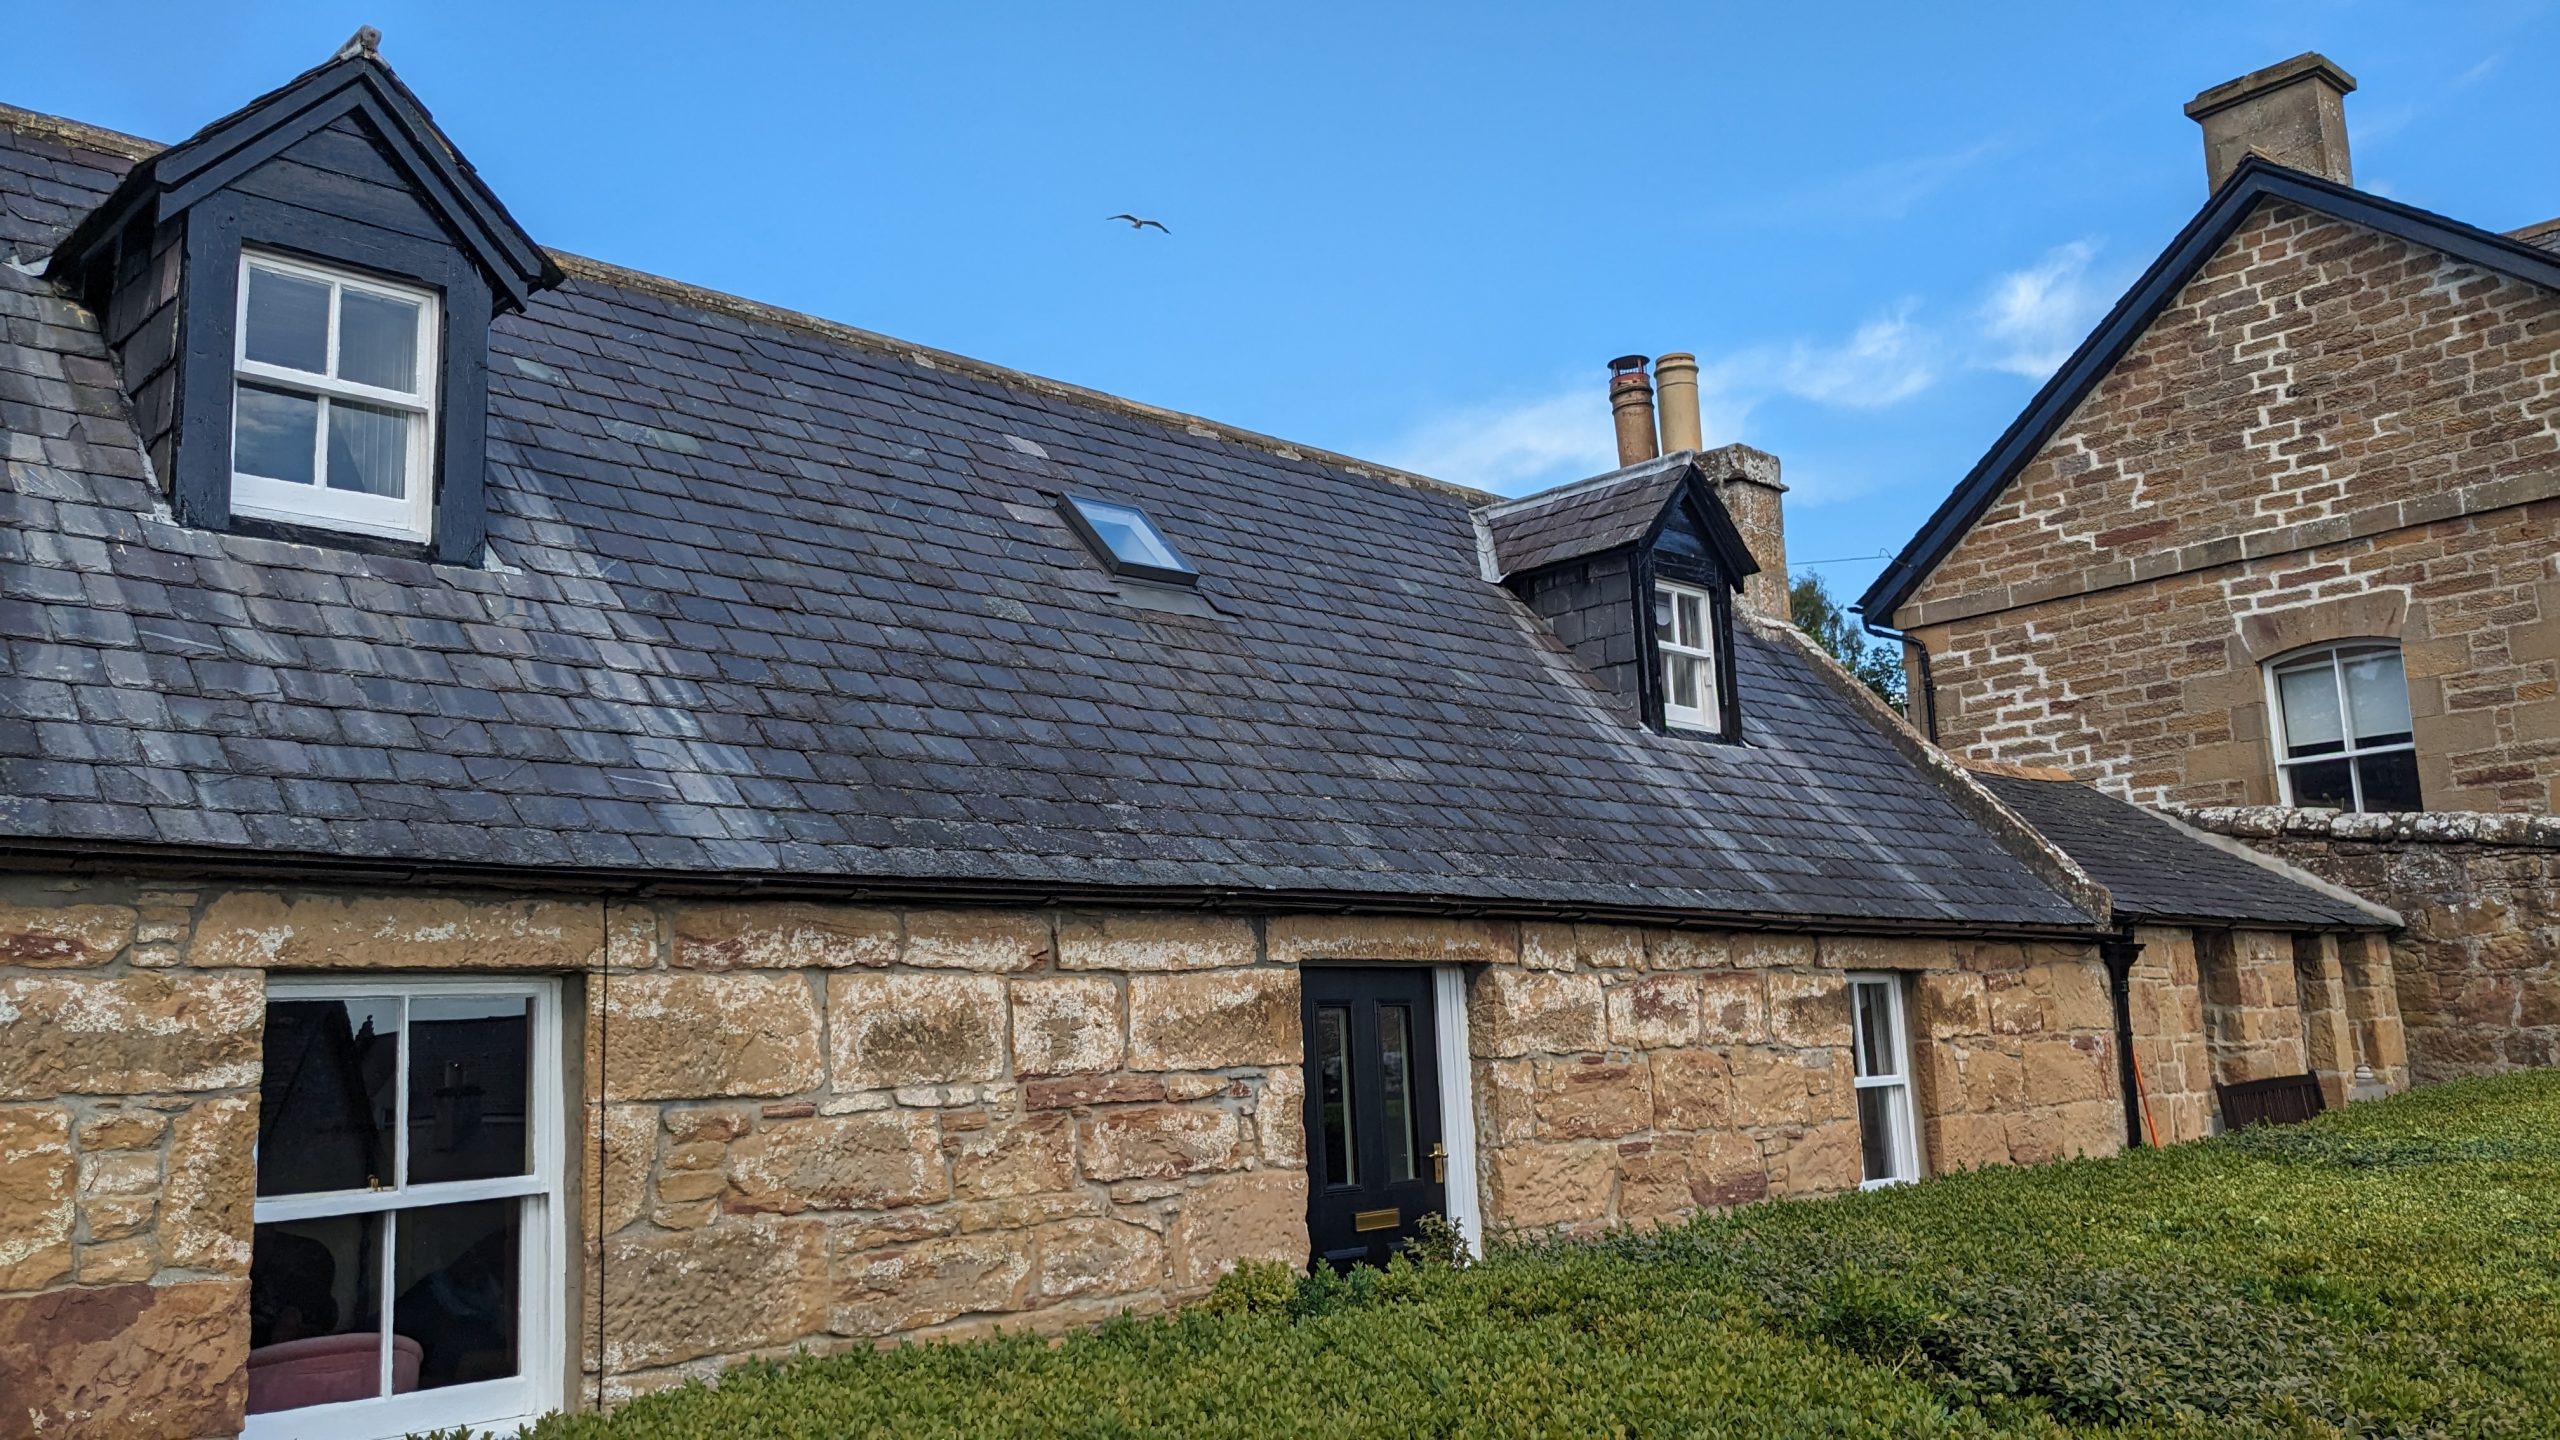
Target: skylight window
{"points": [[1126, 541]]}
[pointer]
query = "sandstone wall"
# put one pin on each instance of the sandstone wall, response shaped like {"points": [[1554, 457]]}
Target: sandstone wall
{"points": [[2328, 434], [827, 1125], [2475, 976]]}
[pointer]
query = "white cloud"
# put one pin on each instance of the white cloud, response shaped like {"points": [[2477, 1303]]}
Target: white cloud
{"points": [[1515, 446], [1884, 362], [2034, 318], [1887, 190]]}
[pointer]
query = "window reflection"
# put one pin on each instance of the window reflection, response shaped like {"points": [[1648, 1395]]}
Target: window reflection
{"points": [[330, 1069], [1333, 1102], [1394, 1055], [455, 1273], [468, 1088]]}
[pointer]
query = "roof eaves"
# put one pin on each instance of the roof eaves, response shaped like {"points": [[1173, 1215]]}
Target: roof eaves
{"points": [[2256, 179]]}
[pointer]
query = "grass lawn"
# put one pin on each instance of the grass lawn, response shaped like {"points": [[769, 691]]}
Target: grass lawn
{"points": [[2392, 1270]]}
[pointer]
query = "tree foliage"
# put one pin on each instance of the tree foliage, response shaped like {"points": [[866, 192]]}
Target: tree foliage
{"points": [[1835, 630]]}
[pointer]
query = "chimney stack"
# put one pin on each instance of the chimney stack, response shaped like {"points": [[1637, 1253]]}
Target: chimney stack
{"points": [[1675, 379], [2293, 113], [1631, 405]]}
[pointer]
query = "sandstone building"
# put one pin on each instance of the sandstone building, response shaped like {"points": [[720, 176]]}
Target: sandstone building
{"points": [[559, 830], [2282, 539]]}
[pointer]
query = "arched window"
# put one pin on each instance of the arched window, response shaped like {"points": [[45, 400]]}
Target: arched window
{"points": [[2343, 740]]}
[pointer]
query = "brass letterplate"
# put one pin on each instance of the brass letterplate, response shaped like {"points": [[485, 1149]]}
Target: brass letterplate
{"points": [[1376, 1219]]}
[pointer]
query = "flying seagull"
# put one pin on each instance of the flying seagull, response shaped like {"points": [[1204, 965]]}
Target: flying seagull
{"points": [[1137, 224]]}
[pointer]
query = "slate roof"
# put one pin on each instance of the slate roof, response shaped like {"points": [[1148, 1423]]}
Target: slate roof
{"points": [[2254, 180], [775, 601], [2159, 871], [1572, 521]]}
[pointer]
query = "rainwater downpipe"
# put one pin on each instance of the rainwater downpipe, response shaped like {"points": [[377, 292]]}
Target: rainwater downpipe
{"points": [[2119, 954], [1928, 682]]}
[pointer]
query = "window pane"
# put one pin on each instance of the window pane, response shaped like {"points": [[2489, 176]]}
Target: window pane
{"points": [[315, 1306], [1879, 1131], [2390, 781], [1879, 1050], [288, 321], [1692, 622], [1128, 534], [1395, 1055], [2377, 697], [455, 1274], [1664, 627], [469, 1100], [326, 1106], [2325, 786], [1333, 1099], [368, 449], [273, 431], [1686, 673], [2310, 700], [378, 340]]}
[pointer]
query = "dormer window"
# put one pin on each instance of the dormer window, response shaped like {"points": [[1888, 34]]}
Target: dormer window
{"points": [[1684, 635], [333, 418], [1127, 543]]}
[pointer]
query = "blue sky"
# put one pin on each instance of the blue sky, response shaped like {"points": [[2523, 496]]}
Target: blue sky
{"points": [[1413, 233]]}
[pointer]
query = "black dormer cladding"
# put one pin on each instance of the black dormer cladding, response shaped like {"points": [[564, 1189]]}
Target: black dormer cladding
{"points": [[1597, 596], [341, 166]]}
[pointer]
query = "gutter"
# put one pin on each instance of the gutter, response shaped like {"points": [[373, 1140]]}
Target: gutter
{"points": [[108, 860], [1928, 680]]}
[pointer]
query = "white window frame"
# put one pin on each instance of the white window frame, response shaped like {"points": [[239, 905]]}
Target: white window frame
{"points": [[542, 1271], [1904, 1110], [406, 517], [1709, 714], [2335, 654]]}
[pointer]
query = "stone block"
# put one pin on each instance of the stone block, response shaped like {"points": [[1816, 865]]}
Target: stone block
{"points": [[892, 1030], [696, 1036], [1066, 1026], [1159, 1142], [1760, 950], [1808, 1009], [2012, 1003], [1948, 1003], [314, 930], [1692, 1090], [36, 1187], [1687, 950], [1899, 953], [884, 1292], [116, 1262], [205, 1209], [1295, 938], [1733, 1009], [738, 1285], [1653, 1183], [1580, 947], [1538, 1186], [1789, 1087], [783, 935], [131, 1034], [2059, 1070], [119, 1129], [1097, 1257], [1033, 1155], [1075, 1091], [1139, 941], [1653, 1011], [630, 1147], [873, 1161], [1280, 1116], [1822, 1161], [2076, 996], [1253, 1215], [1995, 1078], [46, 936], [1521, 1012], [1725, 1170], [1588, 1098], [989, 940], [1214, 1020], [126, 1360], [1967, 1142]]}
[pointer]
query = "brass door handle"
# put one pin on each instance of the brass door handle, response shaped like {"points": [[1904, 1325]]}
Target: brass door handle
{"points": [[1439, 1163]]}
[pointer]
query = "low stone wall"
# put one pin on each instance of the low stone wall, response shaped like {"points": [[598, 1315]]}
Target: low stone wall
{"points": [[829, 1125], [2477, 969]]}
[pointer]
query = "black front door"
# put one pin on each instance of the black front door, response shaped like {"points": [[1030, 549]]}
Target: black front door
{"points": [[1375, 1165]]}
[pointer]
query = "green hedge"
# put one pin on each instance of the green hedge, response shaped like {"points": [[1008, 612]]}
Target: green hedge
{"points": [[2393, 1270]]}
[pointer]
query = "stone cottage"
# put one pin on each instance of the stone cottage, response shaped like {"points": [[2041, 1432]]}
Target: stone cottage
{"points": [[2280, 545], [560, 830]]}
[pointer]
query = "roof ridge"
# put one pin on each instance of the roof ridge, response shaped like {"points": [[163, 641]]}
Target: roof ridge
{"points": [[79, 132], [609, 273], [1624, 474]]}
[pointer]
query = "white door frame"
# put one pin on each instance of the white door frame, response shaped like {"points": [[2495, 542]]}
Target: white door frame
{"points": [[1457, 1103]]}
